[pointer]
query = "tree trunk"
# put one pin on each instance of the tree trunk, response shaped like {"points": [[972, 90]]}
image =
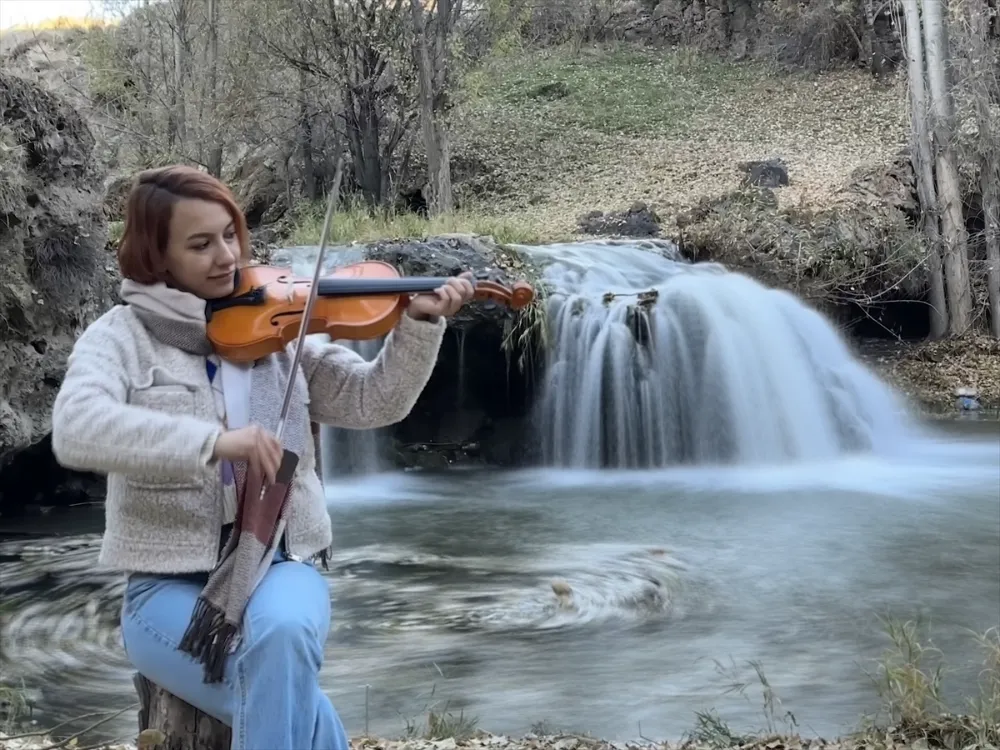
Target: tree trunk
{"points": [[923, 160], [956, 257], [183, 725], [309, 185], [441, 199], [215, 156], [986, 91], [991, 208], [180, 70]]}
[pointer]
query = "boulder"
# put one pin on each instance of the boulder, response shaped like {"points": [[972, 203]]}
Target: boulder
{"points": [[770, 173], [863, 246], [55, 274], [639, 220]]}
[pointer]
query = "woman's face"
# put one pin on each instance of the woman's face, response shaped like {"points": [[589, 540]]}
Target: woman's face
{"points": [[203, 251]]}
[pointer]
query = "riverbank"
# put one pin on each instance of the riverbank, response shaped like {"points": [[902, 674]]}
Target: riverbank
{"points": [[928, 373], [911, 712], [915, 738]]}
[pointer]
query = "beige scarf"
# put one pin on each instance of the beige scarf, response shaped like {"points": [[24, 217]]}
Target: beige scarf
{"points": [[178, 319]]}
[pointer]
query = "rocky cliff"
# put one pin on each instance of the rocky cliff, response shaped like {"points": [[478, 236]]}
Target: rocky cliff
{"points": [[55, 276]]}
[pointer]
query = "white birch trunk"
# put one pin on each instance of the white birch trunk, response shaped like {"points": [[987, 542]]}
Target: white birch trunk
{"points": [[923, 160], [956, 258]]}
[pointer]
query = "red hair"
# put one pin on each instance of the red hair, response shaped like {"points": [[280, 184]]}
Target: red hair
{"points": [[149, 209]]}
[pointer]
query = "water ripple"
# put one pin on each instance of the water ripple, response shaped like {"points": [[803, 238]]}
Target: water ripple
{"points": [[61, 613]]}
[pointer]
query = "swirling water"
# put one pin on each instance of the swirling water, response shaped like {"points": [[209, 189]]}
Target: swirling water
{"points": [[442, 591]]}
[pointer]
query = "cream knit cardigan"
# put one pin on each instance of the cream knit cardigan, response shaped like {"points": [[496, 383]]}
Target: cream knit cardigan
{"points": [[143, 413]]}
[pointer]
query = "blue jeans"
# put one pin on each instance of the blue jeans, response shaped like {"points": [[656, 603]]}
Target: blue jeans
{"points": [[270, 693]]}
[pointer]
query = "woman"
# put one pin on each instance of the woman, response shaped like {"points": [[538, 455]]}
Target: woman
{"points": [[228, 617]]}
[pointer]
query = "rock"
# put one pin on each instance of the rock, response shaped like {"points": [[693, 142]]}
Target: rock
{"points": [[771, 173], [863, 247], [967, 399], [260, 190], [638, 221], [55, 275], [115, 196], [33, 480], [449, 255]]}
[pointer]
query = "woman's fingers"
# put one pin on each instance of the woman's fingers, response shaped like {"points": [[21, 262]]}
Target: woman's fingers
{"points": [[464, 285], [447, 299], [456, 292], [268, 455], [451, 299]]}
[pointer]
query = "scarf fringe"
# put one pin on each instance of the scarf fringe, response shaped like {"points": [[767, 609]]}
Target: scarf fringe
{"points": [[209, 639]]}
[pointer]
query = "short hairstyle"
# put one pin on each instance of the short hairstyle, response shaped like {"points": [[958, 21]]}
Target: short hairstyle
{"points": [[149, 209]]}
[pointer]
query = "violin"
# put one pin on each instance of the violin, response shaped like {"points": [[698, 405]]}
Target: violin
{"points": [[356, 302]]}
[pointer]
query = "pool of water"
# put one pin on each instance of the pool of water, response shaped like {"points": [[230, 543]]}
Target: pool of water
{"points": [[678, 580]]}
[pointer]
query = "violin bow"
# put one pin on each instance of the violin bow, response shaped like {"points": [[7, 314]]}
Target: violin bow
{"points": [[289, 461], [306, 315]]}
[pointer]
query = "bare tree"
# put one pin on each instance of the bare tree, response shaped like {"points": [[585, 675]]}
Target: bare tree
{"points": [[215, 155], [181, 49], [432, 33], [956, 259], [981, 74], [923, 167], [354, 48], [991, 209]]}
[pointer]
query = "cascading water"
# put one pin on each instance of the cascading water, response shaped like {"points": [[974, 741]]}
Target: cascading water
{"points": [[353, 452], [689, 363]]}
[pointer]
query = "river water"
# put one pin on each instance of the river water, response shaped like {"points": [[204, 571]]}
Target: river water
{"points": [[442, 591]]}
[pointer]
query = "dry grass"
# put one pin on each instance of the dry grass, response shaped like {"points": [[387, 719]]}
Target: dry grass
{"points": [[910, 678], [13, 705], [562, 133], [12, 176], [62, 23], [357, 223]]}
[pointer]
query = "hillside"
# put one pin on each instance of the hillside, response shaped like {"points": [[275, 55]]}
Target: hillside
{"points": [[567, 131]]}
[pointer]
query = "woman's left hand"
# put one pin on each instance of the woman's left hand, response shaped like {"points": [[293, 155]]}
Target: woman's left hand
{"points": [[445, 302]]}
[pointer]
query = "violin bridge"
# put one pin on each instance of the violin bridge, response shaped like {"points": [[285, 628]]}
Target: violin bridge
{"points": [[289, 288]]}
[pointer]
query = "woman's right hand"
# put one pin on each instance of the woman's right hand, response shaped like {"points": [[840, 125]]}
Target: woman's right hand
{"points": [[252, 444]]}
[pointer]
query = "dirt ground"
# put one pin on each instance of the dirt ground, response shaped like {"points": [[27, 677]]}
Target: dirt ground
{"points": [[928, 373]]}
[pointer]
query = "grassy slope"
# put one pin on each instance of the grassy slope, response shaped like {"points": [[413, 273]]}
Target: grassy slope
{"points": [[541, 137], [572, 131]]}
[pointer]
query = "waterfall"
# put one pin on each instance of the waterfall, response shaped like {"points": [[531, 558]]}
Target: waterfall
{"points": [[353, 452], [689, 363]]}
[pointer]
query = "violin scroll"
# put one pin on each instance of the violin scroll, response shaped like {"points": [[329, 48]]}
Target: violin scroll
{"points": [[516, 298]]}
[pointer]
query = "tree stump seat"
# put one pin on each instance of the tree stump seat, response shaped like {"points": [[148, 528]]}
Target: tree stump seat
{"points": [[183, 727]]}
